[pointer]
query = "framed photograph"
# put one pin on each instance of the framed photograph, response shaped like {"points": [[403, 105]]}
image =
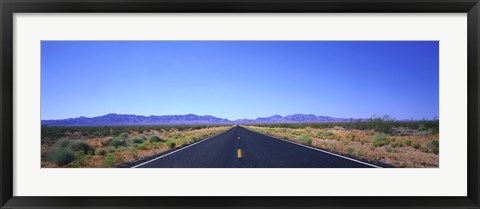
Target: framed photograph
{"points": [[239, 104]]}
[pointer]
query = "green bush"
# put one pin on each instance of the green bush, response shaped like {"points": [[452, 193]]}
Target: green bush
{"points": [[61, 156], [304, 139], [432, 144], [137, 140], [416, 145], [142, 146], [123, 135], [396, 143], [309, 141], [101, 152], [81, 146], [156, 145], [170, 144], [75, 164], [350, 150], [62, 143], [408, 142], [360, 153], [194, 138], [156, 139], [81, 157], [109, 160], [117, 142], [134, 153], [380, 139], [111, 150], [424, 149]]}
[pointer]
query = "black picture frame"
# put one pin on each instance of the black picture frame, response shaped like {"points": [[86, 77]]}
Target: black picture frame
{"points": [[9, 7]]}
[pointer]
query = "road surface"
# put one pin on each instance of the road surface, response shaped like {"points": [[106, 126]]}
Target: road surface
{"points": [[242, 148]]}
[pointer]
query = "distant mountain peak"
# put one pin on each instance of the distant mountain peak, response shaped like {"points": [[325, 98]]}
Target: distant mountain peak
{"points": [[114, 119]]}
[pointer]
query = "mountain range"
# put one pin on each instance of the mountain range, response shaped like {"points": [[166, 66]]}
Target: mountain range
{"points": [[113, 119]]}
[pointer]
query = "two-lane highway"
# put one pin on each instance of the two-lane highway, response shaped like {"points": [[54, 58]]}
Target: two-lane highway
{"points": [[242, 148]]}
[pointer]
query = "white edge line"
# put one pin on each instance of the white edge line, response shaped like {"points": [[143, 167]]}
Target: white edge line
{"points": [[317, 149], [179, 149]]}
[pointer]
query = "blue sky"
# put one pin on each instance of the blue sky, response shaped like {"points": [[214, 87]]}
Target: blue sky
{"points": [[240, 79]]}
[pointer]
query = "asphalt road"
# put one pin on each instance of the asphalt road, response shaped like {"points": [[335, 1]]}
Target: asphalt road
{"points": [[242, 148]]}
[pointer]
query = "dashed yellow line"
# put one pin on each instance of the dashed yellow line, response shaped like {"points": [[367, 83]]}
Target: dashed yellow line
{"points": [[239, 153]]}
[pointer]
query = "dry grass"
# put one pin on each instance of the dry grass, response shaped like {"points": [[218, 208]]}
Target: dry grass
{"points": [[399, 152], [109, 156]]}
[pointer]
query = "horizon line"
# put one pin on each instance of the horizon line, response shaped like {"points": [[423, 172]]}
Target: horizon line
{"points": [[355, 118]]}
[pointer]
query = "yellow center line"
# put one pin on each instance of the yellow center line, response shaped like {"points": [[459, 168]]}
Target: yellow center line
{"points": [[239, 153]]}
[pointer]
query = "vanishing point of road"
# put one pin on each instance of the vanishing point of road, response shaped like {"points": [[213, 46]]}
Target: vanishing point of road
{"points": [[239, 147]]}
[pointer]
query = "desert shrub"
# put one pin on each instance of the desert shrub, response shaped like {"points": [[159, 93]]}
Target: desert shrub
{"points": [[284, 136], [137, 140], [388, 148], [142, 146], [397, 143], [81, 157], [394, 144], [424, 149], [304, 139], [350, 150], [61, 156], [101, 152], [120, 149], [309, 141], [416, 145], [175, 135], [81, 146], [432, 144], [109, 160], [117, 142], [194, 137], [328, 133], [170, 144], [156, 145], [399, 132], [75, 164], [156, 139], [380, 139], [297, 132], [110, 150], [134, 153], [62, 143], [423, 133], [408, 142], [360, 153], [319, 133], [123, 135]]}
